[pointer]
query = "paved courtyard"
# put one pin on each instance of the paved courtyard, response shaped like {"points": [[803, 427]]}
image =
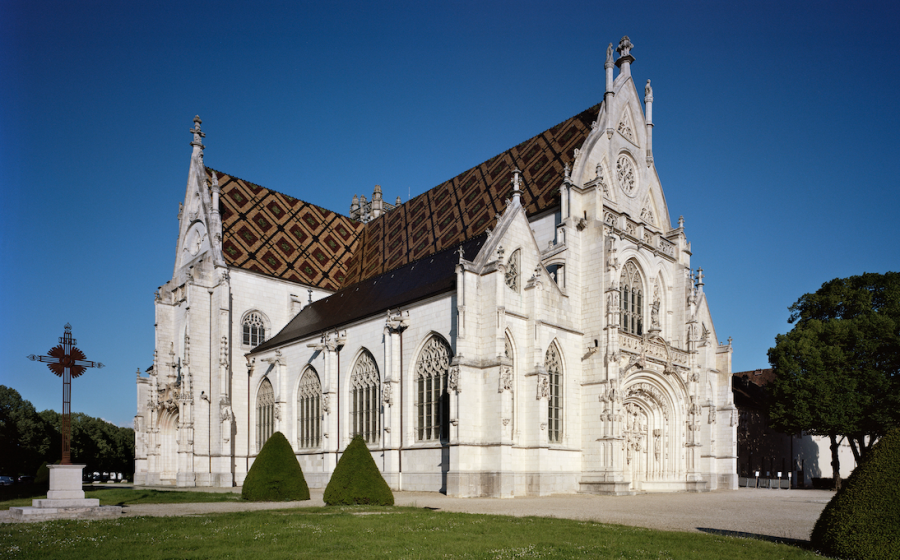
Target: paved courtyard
{"points": [[781, 514]]}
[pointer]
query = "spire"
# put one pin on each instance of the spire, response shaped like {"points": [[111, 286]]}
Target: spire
{"points": [[648, 110], [625, 58], [198, 134]]}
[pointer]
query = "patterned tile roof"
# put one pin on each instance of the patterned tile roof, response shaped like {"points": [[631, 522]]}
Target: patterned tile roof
{"points": [[466, 205], [278, 235]]}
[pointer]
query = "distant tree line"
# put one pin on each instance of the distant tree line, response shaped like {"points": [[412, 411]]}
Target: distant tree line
{"points": [[29, 438]]}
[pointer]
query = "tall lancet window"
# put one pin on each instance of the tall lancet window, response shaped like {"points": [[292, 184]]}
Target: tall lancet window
{"points": [[555, 402], [433, 400], [364, 406], [309, 410], [254, 330], [265, 413], [632, 288]]}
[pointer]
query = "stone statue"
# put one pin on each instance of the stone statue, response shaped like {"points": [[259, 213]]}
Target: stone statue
{"points": [[648, 93], [609, 56], [654, 314]]}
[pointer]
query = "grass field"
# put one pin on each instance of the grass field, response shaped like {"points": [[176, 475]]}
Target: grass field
{"points": [[367, 532], [125, 496]]}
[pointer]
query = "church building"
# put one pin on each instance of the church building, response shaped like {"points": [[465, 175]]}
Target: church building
{"points": [[531, 326]]}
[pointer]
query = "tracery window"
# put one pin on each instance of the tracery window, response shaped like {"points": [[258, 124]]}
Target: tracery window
{"points": [[512, 270], [433, 400], [364, 407], [554, 402], [265, 413], [626, 175], [309, 410], [632, 300], [254, 330]]}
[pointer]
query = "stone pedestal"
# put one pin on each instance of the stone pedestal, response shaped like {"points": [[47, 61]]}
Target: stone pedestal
{"points": [[65, 499]]}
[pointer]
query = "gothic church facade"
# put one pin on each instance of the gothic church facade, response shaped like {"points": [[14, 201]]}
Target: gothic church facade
{"points": [[531, 326]]}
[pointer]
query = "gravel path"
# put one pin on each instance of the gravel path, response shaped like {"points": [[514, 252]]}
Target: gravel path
{"points": [[778, 514]]}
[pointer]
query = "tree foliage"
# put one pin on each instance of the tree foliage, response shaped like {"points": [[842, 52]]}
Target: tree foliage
{"points": [[837, 372], [275, 475], [356, 479], [29, 438]]}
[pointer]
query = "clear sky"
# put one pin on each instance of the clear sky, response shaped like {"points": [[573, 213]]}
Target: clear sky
{"points": [[776, 139]]}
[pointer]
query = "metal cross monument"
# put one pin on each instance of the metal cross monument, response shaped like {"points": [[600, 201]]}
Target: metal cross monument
{"points": [[67, 362]]}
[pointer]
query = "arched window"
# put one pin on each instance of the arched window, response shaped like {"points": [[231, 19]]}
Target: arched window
{"points": [[433, 400], [265, 413], [364, 407], [309, 411], [632, 288], [512, 270], [555, 402], [510, 355], [254, 330]]}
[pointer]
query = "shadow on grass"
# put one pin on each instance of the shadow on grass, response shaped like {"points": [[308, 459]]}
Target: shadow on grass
{"points": [[799, 543]]}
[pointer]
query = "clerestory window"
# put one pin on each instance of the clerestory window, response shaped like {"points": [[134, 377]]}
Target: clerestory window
{"points": [[555, 401], [254, 330]]}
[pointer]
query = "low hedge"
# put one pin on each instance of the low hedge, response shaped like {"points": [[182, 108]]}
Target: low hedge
{"points": [[275, 475], [862, 520], [356, 479]]}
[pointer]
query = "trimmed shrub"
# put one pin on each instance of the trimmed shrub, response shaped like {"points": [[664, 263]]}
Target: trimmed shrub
{"points": [[862, 520], [276, 475], [356, 479], [42, 476]]}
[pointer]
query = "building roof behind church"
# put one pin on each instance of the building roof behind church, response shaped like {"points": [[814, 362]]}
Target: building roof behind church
{"points": [[278, 235], [275, 234]]}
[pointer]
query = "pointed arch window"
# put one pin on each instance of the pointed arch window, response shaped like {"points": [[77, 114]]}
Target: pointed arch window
{"points": [[364, 408], [632, 300], [265, 413], [309, 410], [555, 400], [254, 330], [433, 400], [512, 270]]}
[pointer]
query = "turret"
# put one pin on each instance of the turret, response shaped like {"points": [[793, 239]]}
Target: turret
{"points": [[354, 207], [377, 202]]}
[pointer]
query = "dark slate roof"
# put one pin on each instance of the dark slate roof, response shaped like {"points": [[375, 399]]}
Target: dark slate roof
{"points": [[278, 235], [760, 377], [465, 206], [430, 276]]}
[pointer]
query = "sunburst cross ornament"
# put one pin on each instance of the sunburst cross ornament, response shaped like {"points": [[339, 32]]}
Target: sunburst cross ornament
{"points": [[67, 362]]}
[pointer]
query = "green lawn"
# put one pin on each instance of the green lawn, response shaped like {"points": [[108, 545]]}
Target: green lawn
{"points": [[125, 496], [367, 532]]}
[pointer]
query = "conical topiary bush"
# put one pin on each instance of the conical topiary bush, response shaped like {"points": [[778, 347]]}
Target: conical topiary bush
{"points": [[862, 520], [356, 479], [275, 475]]}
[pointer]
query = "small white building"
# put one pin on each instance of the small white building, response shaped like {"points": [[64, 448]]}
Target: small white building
{"points": [[531, 326]]}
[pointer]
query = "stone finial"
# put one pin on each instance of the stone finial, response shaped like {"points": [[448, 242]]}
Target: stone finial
{"points": [[625, 46], [517, 192], [461, 252], [376, 194], [648, 93], [609, 57], [310, 292], [198, 134], [567, 173], [699, 277], [681, 221], [399, 202]]}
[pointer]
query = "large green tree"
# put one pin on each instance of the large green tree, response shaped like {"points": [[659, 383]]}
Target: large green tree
{"points": [[23, 434], [837, 372]]}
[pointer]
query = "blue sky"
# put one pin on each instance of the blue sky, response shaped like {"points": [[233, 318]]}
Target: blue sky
{"points": [[775, 137]]}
